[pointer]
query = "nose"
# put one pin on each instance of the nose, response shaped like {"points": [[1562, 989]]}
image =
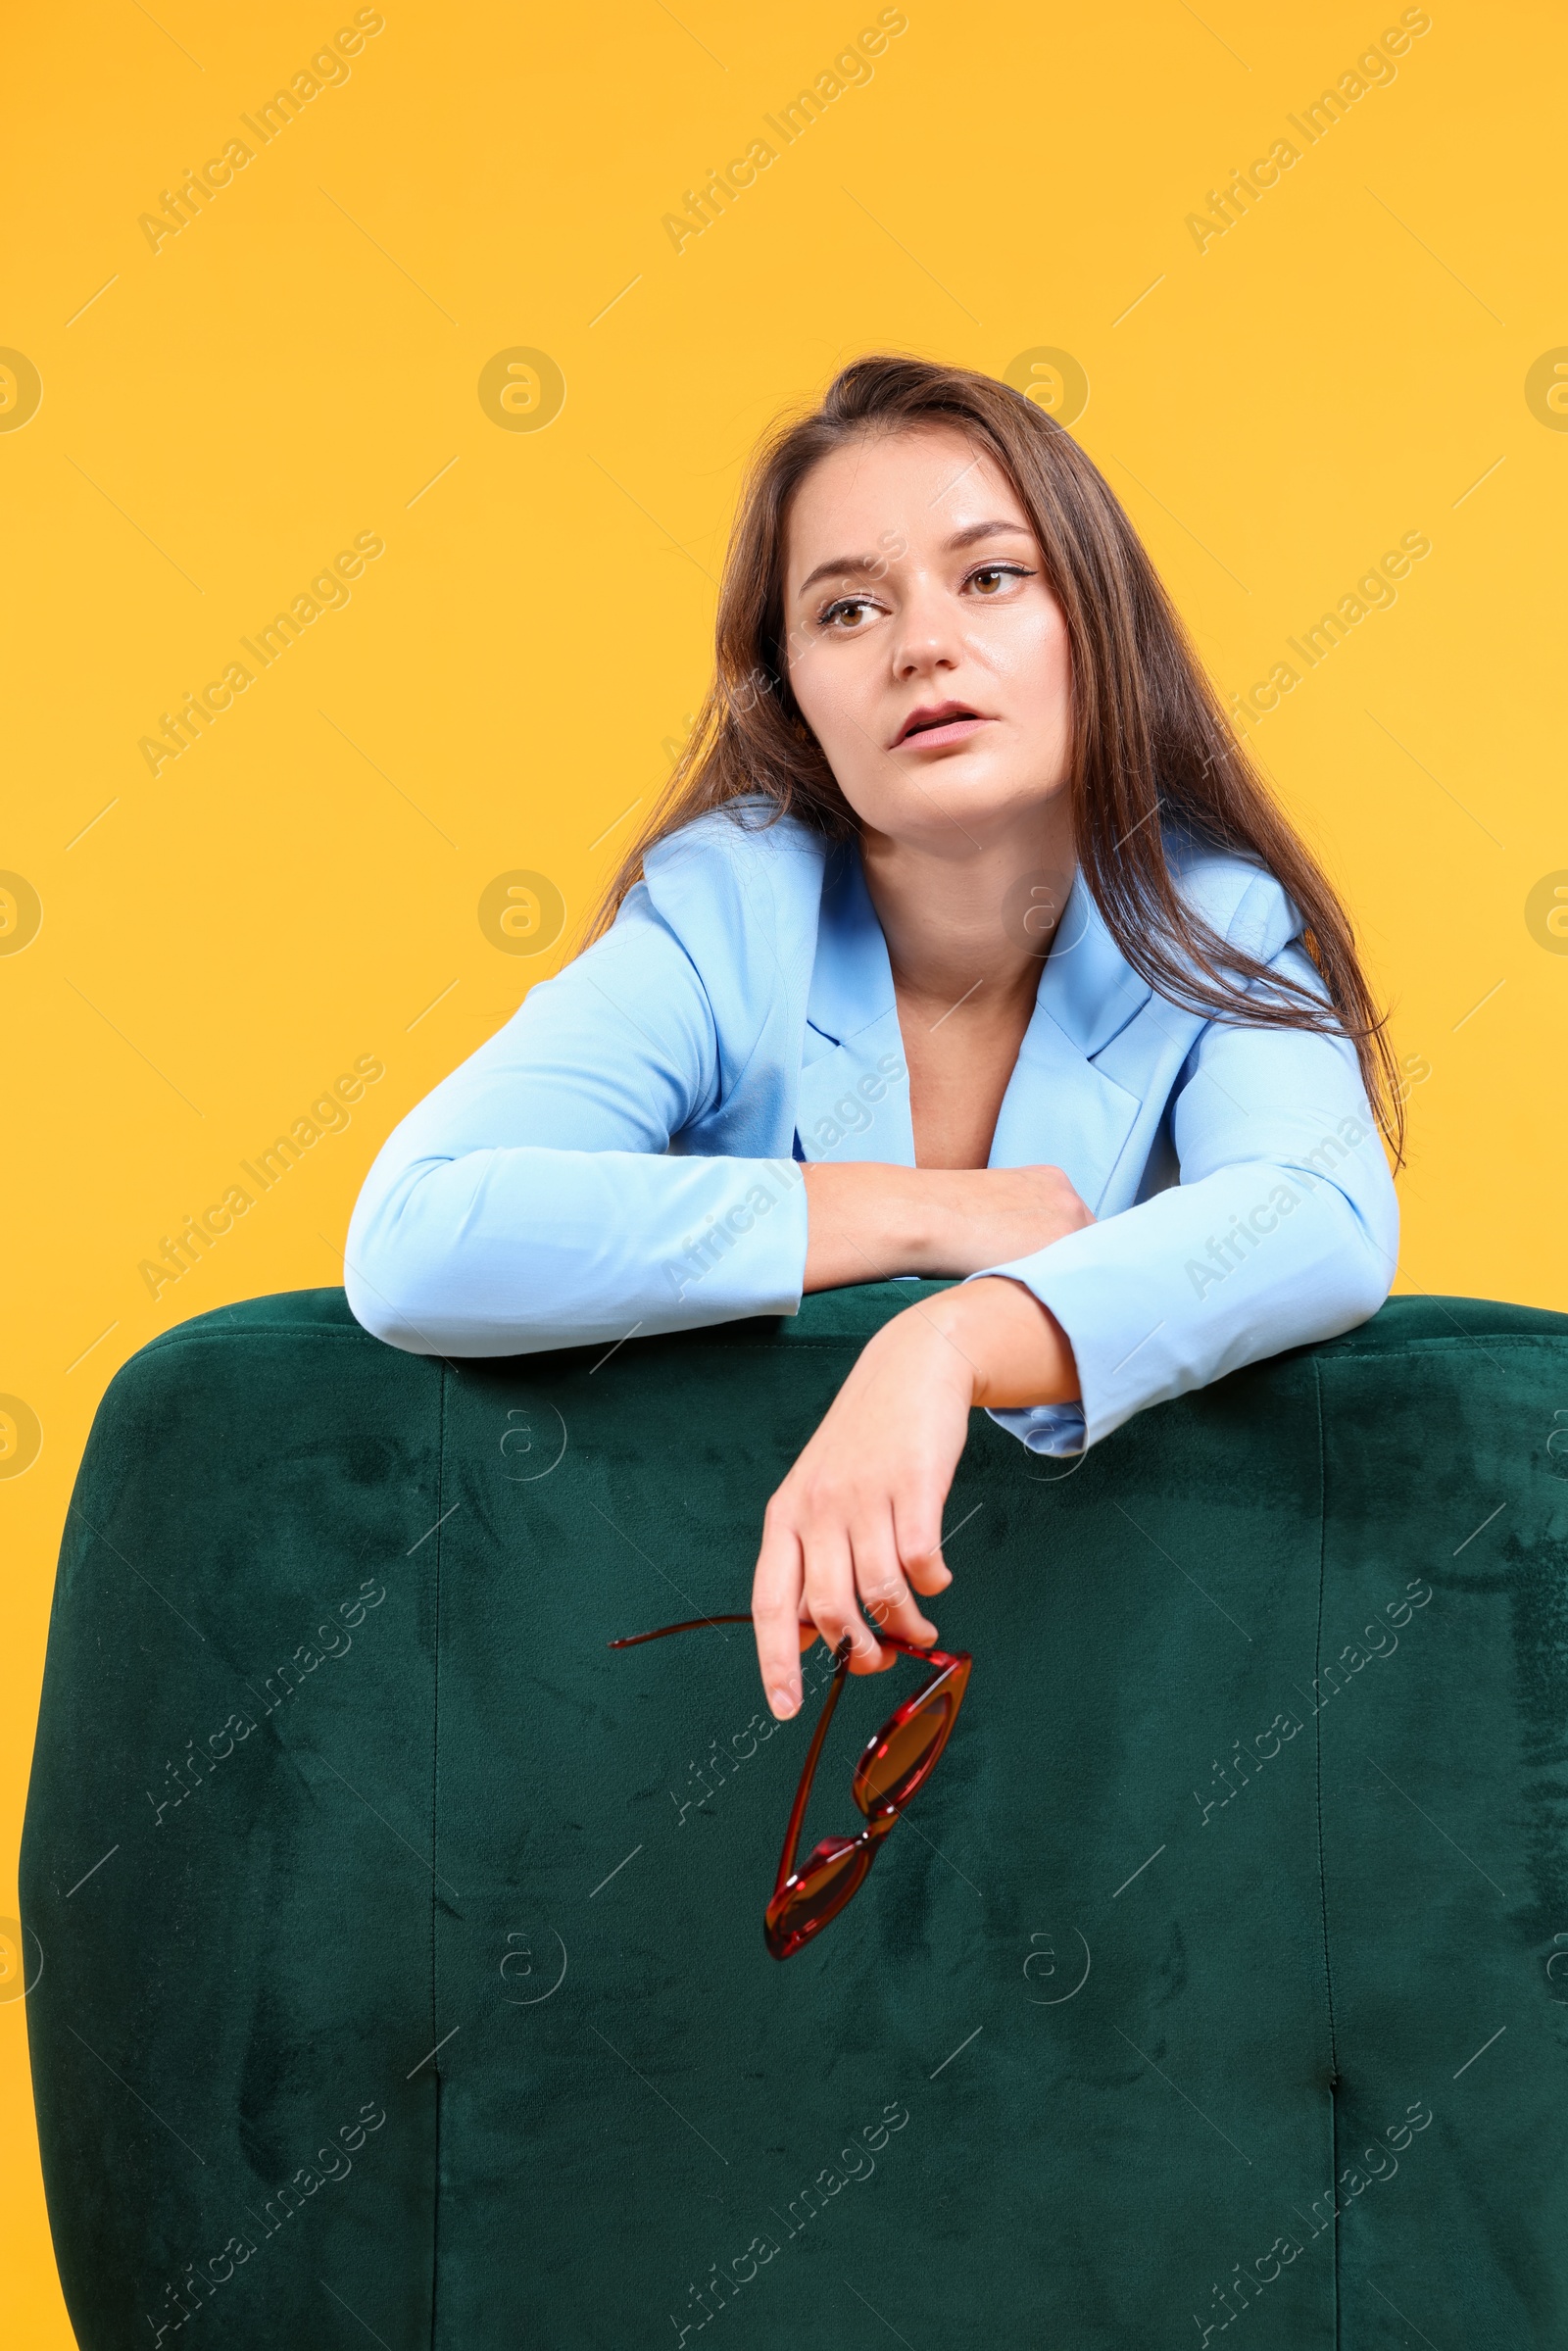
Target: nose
{"points": [[927, 642]]}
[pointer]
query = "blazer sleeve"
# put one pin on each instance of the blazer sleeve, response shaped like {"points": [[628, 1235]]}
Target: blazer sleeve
{"points": [[532, 1200], [1282, 1231]]}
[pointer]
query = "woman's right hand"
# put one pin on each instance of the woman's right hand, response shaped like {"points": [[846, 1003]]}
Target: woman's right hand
{"points": [[868, 1219]]}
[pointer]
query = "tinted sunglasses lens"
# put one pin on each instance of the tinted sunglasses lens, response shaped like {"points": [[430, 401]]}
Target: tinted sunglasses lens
{"points": [[818, 1893], [902, 1755]]}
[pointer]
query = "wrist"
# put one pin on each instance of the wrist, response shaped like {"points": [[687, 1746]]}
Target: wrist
{"points": [[918, 1224], [930, 1343], [868, 1219], [993, 1336]]}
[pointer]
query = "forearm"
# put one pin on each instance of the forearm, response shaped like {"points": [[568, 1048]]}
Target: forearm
{"points": [[503, 1252], [865, 1221], [1158, 1304]]}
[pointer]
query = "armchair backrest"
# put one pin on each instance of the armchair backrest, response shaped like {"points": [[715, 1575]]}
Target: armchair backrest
{"points": [[401, 1944]]}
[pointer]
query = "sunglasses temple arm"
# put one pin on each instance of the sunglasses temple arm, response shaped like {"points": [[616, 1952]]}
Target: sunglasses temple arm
{"points": [[930, 1656], [693, 1624], [792, 1833]]}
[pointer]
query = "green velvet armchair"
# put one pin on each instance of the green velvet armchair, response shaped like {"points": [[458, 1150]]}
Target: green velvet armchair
{"points": [[395, 1946]]}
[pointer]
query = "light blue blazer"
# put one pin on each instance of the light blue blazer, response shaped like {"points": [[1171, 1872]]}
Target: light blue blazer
{"points": [[624, 1156]]}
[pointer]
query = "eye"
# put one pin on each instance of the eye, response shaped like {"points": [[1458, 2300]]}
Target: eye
{"points": [[842, 615], [988, 579]]}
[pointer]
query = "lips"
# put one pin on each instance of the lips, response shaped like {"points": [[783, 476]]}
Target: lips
{"points": [[939, 722]]}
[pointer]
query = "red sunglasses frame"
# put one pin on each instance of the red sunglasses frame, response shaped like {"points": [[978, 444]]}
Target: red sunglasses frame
{"points": [[784, 1929]]}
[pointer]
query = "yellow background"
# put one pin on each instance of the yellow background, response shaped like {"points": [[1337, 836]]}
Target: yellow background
{"points": [[1344, 365]]}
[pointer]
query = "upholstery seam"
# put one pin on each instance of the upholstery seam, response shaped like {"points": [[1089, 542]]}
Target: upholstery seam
{"points": [[1317, 1675], [1419, 1348], [1322, 1875], [435, 1821]]}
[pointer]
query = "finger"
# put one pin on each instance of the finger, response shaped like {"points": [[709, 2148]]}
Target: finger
{"points": [[830, 1595], [884, 1591], [928, 1574], [917, 1535], [776, 1588]]}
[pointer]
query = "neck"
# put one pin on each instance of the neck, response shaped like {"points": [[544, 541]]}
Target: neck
{"points": [[968, 918]]}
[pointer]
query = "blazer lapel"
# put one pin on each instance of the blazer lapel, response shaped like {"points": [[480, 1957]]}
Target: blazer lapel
{"points": [[853, 1096], [1059, 1110]]}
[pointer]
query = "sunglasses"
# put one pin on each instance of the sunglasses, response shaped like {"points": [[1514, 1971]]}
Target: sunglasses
{"points": [[896, 1761]]}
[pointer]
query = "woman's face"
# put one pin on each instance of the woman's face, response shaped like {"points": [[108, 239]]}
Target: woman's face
{"points": [[926, 652]]}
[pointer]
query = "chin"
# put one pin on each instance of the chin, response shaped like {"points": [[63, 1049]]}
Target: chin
{"points": [[960, 788]]}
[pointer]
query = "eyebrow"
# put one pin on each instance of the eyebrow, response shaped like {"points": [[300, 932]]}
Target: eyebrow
{"points": [[842, 567]]}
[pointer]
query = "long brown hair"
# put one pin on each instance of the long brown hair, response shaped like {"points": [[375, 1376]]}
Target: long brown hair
{"points": [[1149, 736]]}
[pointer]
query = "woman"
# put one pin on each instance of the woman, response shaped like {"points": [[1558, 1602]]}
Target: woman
{"points": [[966, 941]]}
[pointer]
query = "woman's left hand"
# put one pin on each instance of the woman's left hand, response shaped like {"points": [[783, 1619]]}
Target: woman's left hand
{"points": [[856, 1525]]}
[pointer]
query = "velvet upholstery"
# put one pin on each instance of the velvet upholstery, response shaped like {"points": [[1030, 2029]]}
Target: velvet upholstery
{"points": [[401, 1962]]}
